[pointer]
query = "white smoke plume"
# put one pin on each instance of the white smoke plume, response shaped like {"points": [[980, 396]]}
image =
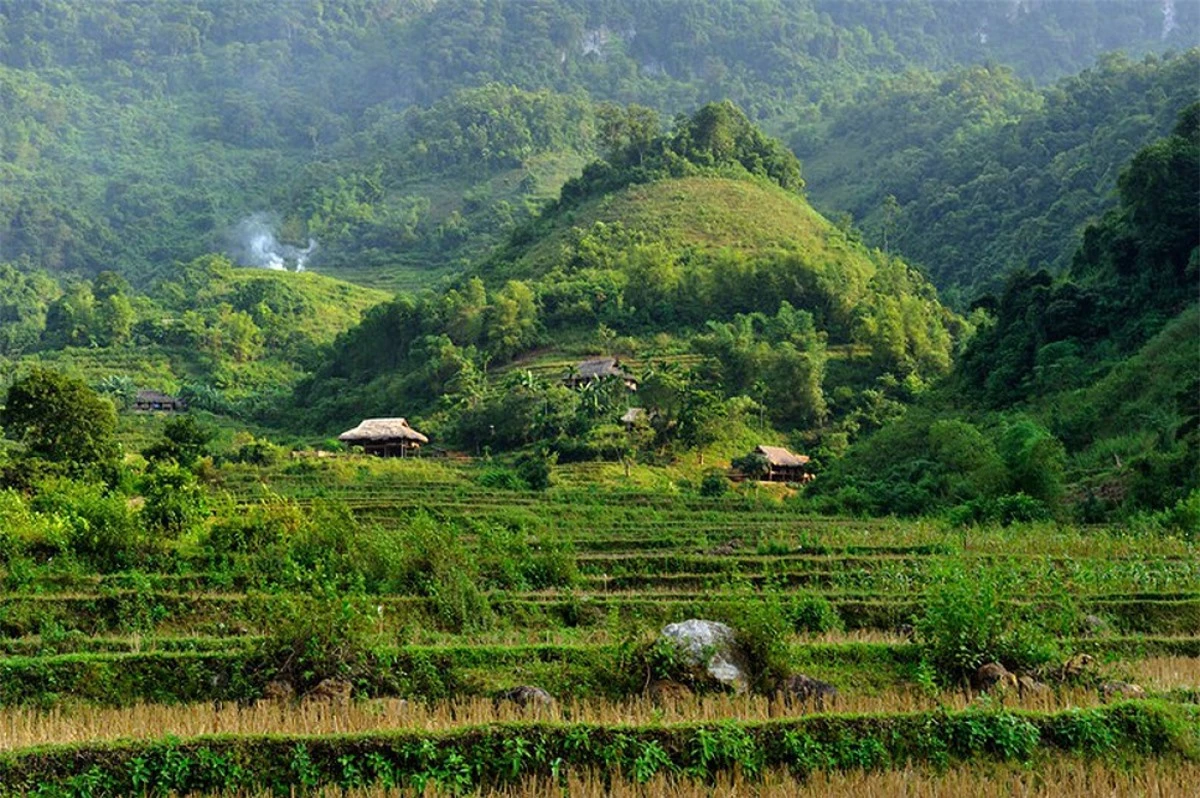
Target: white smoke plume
{"points": [[253, 243], [1168, 7]]}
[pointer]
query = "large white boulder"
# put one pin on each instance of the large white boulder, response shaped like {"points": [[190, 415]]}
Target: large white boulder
{"points": [[710, 650]]}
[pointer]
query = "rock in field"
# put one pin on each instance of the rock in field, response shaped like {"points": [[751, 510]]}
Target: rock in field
{"points": [[1117, 690], [279, 692], [1077, 666], [527, 696], [805, 690], [709, 649], [664, 691], [993, 675], [1029, 686], [330, 691]]}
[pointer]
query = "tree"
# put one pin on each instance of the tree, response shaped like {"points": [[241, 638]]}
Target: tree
{"points": [[184, 440], [60, 419]]}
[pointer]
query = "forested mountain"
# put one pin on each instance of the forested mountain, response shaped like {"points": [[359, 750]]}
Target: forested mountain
{"points": [[975, 173], [1084, 387], [404, 137]]}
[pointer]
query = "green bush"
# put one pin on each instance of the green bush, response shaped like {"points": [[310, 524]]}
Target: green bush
{"points": [[498, 477], [100, 528], [175, 504], [534, 468], [971, 617], [714, 483], [813, 613], [310, 638]]}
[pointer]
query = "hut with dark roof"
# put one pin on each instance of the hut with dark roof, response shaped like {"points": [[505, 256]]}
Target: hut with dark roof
{"points": [[590, 371], [783, 466], [385, 437], [149, 401]]}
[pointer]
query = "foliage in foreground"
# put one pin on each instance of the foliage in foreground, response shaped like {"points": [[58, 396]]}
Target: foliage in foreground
{"points": [[490, 755]]}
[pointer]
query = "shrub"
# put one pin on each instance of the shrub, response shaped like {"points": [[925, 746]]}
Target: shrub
{"points": [[101, 529], [175, 503], [970, 618], [498, 477], [534, 468], [714, 483], [813, 613], [762, 626], [315, 637]]}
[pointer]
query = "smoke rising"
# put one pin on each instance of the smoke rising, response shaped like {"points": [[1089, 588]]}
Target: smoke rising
{"points": [[254, 244], [1168, 8]]}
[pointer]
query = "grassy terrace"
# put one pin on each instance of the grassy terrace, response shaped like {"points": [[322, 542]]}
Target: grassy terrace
{"points": [[150, 679]]}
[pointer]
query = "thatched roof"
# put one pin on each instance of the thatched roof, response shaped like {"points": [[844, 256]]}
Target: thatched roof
{"points": [[382, 429], [601, 367], [154, 396], [781, 457]]}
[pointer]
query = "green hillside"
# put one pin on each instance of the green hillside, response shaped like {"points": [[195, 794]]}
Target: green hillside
{"points": [[697, 242], [233, 341], [1080, 393], [975, 173], [698, 214]]}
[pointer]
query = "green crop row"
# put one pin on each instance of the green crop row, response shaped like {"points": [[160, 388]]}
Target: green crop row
{"points": [[146, 612], [496, 754]]}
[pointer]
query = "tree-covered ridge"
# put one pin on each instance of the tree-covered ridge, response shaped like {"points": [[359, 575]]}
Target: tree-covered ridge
{"points": [[229, 339], [136, 134], [974, 174], [688, 236], [1082, 392]]}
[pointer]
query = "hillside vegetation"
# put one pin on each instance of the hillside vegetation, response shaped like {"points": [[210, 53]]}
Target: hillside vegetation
{"points": [[975, 173], [697, 240], [1082, 388], [406, 138]]}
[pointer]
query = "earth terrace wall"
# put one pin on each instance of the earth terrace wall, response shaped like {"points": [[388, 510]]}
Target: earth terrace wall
{"points": [[432, 672]]}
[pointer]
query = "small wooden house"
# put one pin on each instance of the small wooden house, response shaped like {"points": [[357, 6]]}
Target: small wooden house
{"points": [[590, 371], [783, 466], [149, 401], [385, 437]]}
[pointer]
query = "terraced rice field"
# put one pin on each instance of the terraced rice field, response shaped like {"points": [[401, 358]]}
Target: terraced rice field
{"points": [[153, 681]]}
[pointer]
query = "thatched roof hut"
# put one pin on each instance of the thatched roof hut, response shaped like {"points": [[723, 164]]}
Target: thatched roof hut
{"points": [[783, 466], [595, 370], [156, 400], [384, 437]]}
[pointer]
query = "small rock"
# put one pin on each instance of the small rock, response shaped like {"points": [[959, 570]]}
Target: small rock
{"points": [[1028, 686], [1115, 689], [1093, 625], [804, 690], [993, 674], [1077, 666], [330, 691], [664, 691], [279, 692], [527, 695]]}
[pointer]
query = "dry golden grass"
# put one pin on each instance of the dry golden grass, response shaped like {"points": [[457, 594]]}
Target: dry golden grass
{"points": [[1164, 673], [1063, 778], [20, 728]]}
